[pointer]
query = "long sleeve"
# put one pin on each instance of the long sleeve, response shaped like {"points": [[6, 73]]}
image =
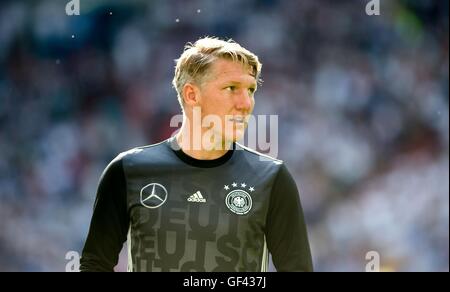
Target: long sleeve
{"points": [[109, 224], [286, 232]]}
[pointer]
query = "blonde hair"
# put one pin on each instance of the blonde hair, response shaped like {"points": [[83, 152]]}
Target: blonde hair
{"points": [[197, 58]]}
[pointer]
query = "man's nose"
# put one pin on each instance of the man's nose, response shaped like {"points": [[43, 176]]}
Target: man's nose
{"points": [[244, 101]]}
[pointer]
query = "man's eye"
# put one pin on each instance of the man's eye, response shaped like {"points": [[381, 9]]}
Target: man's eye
{"points": [[251, 90], [231, 88]]}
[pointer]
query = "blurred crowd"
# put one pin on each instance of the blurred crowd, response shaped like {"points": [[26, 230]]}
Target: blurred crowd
{"points": [[362, 103]]}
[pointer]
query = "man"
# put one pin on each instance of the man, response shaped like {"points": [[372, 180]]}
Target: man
{"points": [[199, 201]]}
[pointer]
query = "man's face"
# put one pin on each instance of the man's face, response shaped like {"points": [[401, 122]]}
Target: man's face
{"points": [[228, 92]]}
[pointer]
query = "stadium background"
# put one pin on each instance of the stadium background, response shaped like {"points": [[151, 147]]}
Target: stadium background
{"points": [[362, 104]]}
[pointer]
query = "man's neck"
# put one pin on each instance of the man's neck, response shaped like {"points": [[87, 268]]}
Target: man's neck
{"points": [[196, 149]]}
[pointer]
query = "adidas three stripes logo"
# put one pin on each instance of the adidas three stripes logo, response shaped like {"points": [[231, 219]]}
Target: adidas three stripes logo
{"points": [[197, 197]]}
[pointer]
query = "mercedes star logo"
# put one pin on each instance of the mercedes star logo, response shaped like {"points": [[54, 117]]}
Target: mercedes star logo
{"points": [[153, 195]]}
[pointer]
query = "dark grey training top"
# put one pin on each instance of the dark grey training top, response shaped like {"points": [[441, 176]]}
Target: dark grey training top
{"points": [[183, 214]]}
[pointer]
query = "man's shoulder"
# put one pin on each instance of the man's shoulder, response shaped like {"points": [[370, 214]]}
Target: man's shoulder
{"points": [[257, 157], [144, 152]]}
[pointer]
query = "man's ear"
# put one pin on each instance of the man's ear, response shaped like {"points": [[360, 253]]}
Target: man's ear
{"points": [[191, 94]]}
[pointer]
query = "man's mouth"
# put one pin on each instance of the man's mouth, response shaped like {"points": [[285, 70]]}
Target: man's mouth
{"points": [[238, 120]]}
